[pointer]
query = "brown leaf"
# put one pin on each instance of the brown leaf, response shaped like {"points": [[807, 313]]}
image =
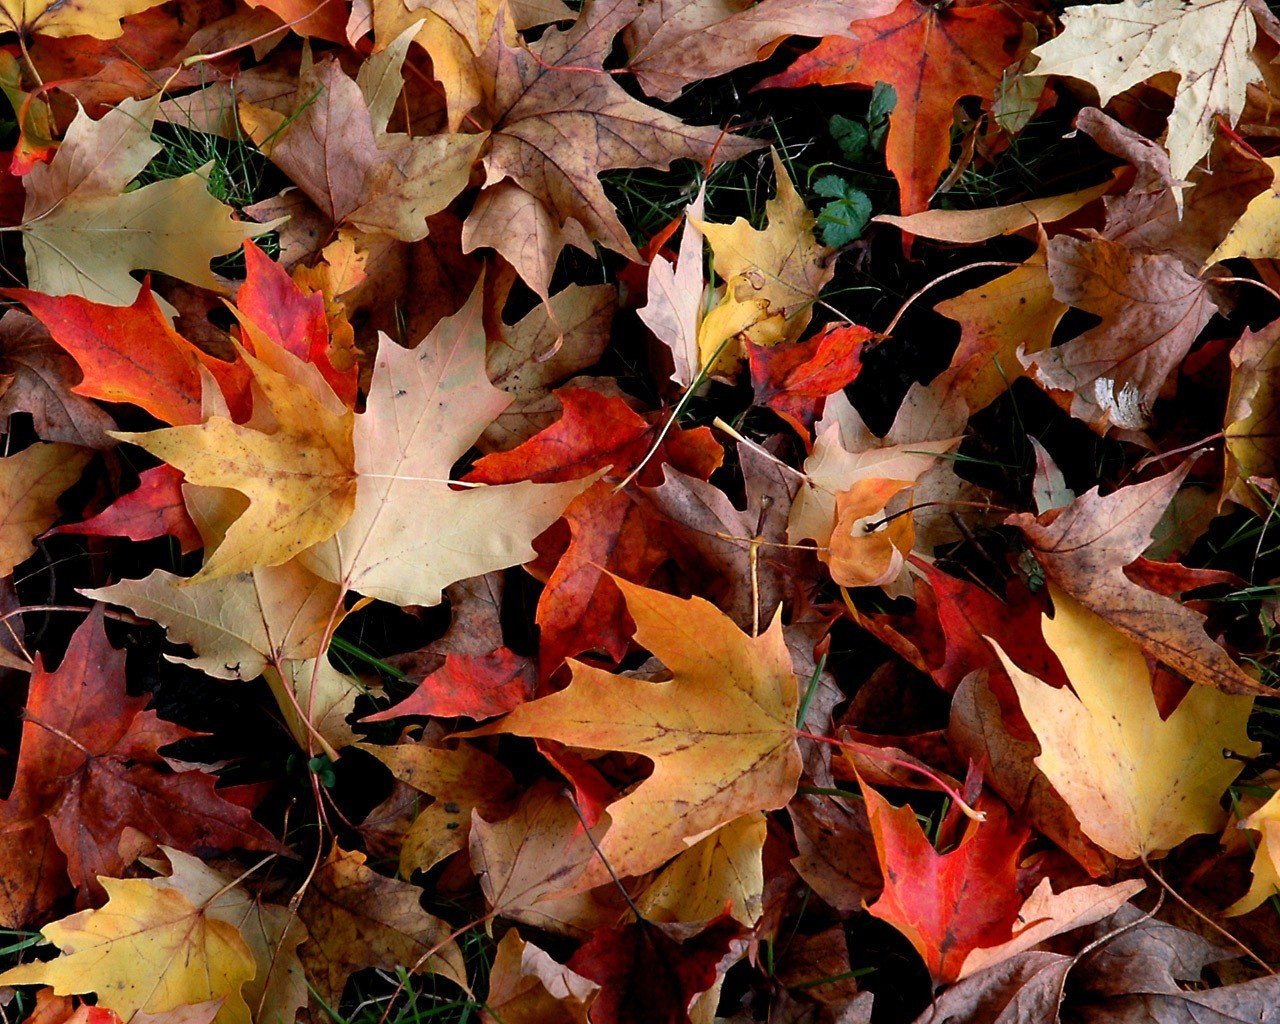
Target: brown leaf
{"points": [[557, 120], [38, 377], [1084, 549], [1152, 310], [357, 918]]}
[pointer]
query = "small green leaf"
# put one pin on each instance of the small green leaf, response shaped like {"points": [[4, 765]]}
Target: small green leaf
{"points": [[844, 220], [851, 136], [883, 99]]}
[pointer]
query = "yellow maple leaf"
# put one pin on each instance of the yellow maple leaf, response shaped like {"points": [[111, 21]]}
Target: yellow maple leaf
{"points": [[725, 869], [150, 949], [721, 733], [60, 18], [1266, 859], [30, 483], [82, 234], [782, 263], [294, 462], [1138, 784]]}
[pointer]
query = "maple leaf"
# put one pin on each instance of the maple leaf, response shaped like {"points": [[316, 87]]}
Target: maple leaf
{"points": [[151, 948], [459, 780], [61, 18], [1252, 411], [723, 873], [273, 933], [357, 918], [557, 119], [335, 146], [271, 302], [1266, 863], [30, 483], [1000, 322], [454, 34], [1085, 548], [37, 377], [675, 304], [526, 986], [550, 343], [294, 464], [83, 234], [652, 972], [89, 765], [155, 508], [835, 851], [782, 265], [1152, 310], [1046, 914], [793, 380], [132, 354], [721, 733], [1139, 785], [533, 864], [425, 408], [932, 57], [946, 904], [677, 42], [1117, 46], [846, 455]]}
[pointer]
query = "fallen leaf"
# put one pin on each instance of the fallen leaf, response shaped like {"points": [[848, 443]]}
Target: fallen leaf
{"points": [[946, 904], [1251, 427], [60, 19], [1151, 309], [722, 874], [1085, 549], [459, 780], [1117, 46], [542, 194], [37, 377], [90, 765], [294, 464], [740, 686], [30, 483], [781, 264], [932, 57], [526, 986], [357, 918], [83, 234], [425, 408], [189, 955], [1138, 784], [155, 508]]}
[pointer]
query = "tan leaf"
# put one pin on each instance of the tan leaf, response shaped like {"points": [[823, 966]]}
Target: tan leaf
{"points": [[425, 408], [30, 483], [83, 234], [1253, 417], [1084, 549], [721, 734], [527, 987], [558, 120], [358, 918], [354, 171], [1152, 310], [459, 780], [532, 865], [1117, 46]]}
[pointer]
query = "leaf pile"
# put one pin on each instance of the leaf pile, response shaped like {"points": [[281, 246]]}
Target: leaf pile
{"points": [[671, 511]]}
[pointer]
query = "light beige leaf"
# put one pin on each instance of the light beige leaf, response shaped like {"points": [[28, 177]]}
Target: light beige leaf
{"points": [[411, 533], [1208, 43]]}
